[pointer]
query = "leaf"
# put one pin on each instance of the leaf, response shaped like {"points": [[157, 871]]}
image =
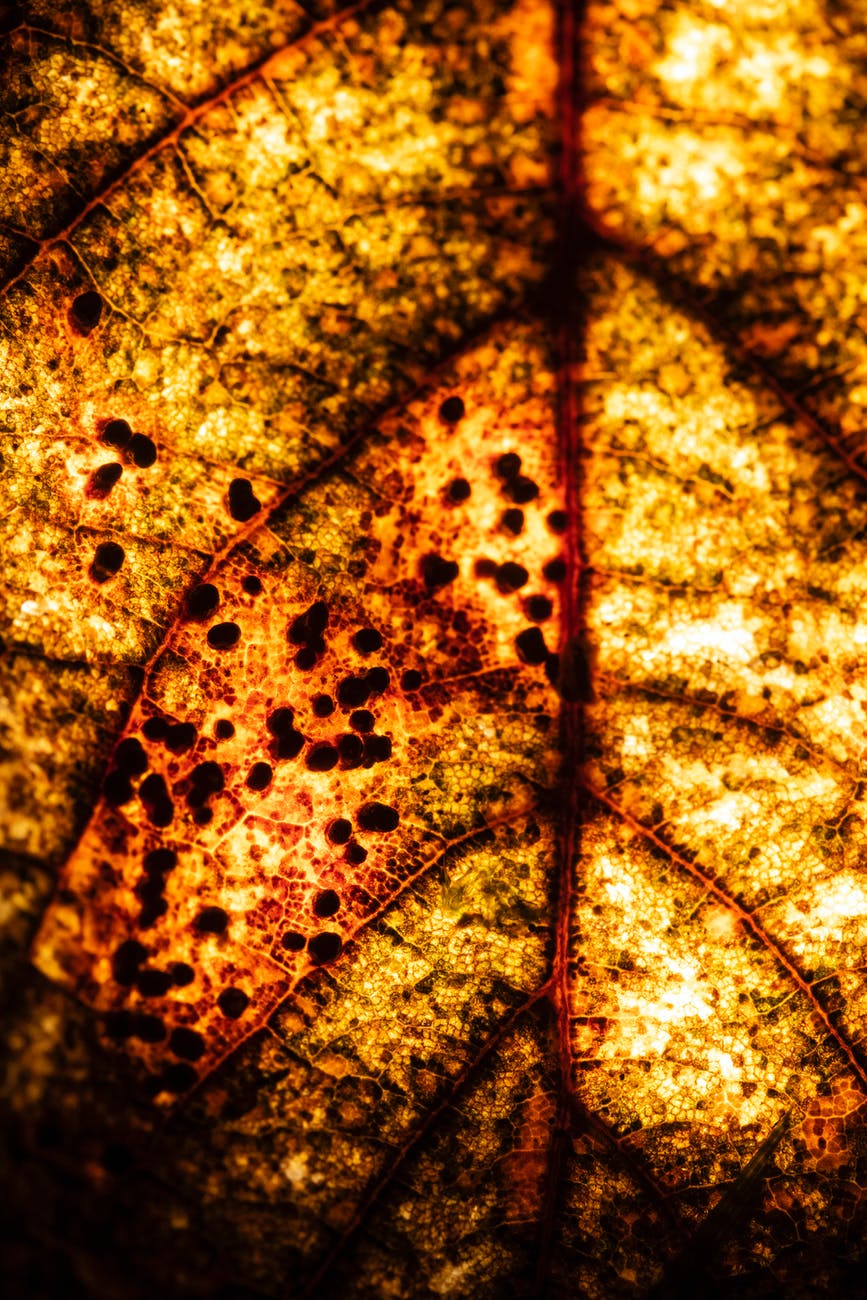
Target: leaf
{"points": [[459, 681]]}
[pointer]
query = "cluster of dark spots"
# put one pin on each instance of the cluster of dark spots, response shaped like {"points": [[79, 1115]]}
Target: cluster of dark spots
{"points": [[452, 410], [224, 636], [86, 312], [321, 757], [367, 641], [259, 776], [233, 1003], [457, 491], [338, 831], [243, 502], [355, 853], [116, 433], [512, 520], [557, 521], [205, 779], [212, 920], [437, 572], [325, 947], [150, 889], [292, 941], [141, 450], [224, 729], [511, 576], [252, 585], [539, 608], [154, 795], [147, 1028], [102, 480], [107, 561], [323, 706], [186, 1044], [411, 679], [287, 742], [202, 601], [555, 570], [125, 962], [326, 903], [531, 647], [307, 631], [355, 690], [376, 816]]}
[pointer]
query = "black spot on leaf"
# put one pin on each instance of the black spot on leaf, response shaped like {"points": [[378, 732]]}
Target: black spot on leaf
{"points": [[142, 450], [202, 601], [437, 572], [243, 503], [107, 561], [186, 1044], [86, 311], [325, 947], [377, 817], [233, 1003], [326, 903], [259, 776], [102, 480], [224, 636], [452, 410], [531, 647], [212, 920]]}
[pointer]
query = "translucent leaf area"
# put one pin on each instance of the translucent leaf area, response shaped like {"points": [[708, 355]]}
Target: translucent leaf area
{"points": [[433, 826]]}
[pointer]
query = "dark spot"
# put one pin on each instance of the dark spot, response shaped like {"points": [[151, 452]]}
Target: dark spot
{"points": [[154, 983], [224, 729], [438, 572], [377, 817], [555, 570], [458, 490], [351, 751], [202, 601], [85, 312], [376, 749], [118, 1025], [411, 680], [511, 576], [280, 721], [522, 490], [180, 736], [325, 947], [512, 520], [507, 466], [117, 1159], [252, 585], [310, 625], [339, 831], [179, 1077], [321, 757], [531, 647], [485, 568], [243, 502], [452, 410], [233, 1003], [211, 920], [288, 745], [130, 756], [323, 706], [159, 861], [106, 561], [117, 788], [155, 729], [377, 680], [292, 941], [352, 691], [155, 797], [326, 903], [355, 853], [142, 450], [367, 640], [259, 776], [126, 961], [187, 1044], [223, 636], [202, 816], [361, 720], [151, 913], [307, 656], [182, 973], [207, 779], [557, 521], [116, 433], [539, 608], [102, 480], [147, 1028]]}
